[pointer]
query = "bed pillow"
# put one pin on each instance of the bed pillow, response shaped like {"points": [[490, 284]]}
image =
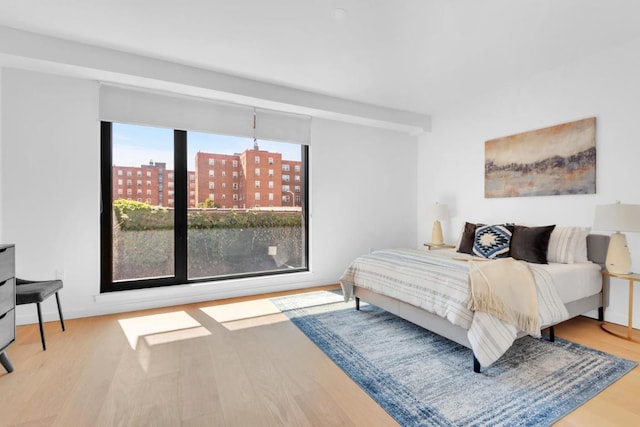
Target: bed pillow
{"points": [[568, 245], [531, 243], [465, 245], [492, 241]]}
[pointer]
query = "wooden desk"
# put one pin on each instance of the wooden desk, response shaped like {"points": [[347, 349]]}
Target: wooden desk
{"points": [[631, 279]]}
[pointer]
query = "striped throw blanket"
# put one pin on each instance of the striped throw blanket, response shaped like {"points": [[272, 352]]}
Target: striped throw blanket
{"points": [[438, 282]]}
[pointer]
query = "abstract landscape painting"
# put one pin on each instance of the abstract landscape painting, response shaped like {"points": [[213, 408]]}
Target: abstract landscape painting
{"points": [[545, 162]]}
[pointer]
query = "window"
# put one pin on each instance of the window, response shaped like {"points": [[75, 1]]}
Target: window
{"points": [[128, 173], [120, 191], [270, 160], [178, 244], [296, 168], [270, 173], [139, 173], [297, 179], [257, 159], [285, 178], [224, 162], [285, 168], [119, 172], [256, 172], [211, 162], [285, 188], [119, 182]]}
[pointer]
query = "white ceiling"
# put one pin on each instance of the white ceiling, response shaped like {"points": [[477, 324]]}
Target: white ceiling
{"points": [[411, 55]]}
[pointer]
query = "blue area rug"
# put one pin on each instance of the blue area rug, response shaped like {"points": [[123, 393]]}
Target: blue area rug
{"points": [[422, 379]]}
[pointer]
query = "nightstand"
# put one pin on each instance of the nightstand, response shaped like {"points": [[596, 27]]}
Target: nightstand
{"points": [[434, 246], [631, 279]]}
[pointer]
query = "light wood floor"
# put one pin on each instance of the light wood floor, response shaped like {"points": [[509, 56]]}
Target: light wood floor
{"points": [[235, 362]]}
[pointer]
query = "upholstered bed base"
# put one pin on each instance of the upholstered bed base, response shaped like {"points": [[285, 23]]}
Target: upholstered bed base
{"points": [[596, 246]]}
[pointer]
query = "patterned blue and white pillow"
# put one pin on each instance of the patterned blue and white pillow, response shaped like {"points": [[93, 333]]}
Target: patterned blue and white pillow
{"points": [[492, 241]]}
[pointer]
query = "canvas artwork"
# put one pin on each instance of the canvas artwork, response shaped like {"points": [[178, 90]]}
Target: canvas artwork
{"points": [[545, 162]]}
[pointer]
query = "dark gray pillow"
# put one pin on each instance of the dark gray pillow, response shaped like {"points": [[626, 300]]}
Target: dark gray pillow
{"points": [[531, 243], [468, 235]]}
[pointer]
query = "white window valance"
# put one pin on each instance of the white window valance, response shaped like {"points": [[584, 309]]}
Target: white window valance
{"points": [[144, 107]]}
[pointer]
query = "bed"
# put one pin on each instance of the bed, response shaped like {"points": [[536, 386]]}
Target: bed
{"points": [[392, 280]]}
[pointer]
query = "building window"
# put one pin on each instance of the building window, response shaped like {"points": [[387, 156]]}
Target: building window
{"points": [[285, 168], [270, 160], [297, 179], [224, 162], [119, 182], [285, 188], [285, 178], [119, 172], [129, 182], [297, 189], [270, 173], [257, 160], [296, 168], [181, 249], [211, 162], [120, 191], [256, 172]]}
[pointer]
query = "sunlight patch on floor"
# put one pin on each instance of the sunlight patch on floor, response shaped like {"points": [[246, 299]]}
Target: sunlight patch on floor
{"points": [[161, 328], [246, 314]]}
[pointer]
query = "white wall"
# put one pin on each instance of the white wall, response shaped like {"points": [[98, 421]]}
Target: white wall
{"points": [[362, 183], [451, 157]]}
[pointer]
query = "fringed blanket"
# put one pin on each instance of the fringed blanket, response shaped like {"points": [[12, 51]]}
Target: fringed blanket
{"points": [[505, 288], [438, 282]]}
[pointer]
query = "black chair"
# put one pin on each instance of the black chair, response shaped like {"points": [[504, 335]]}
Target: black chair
{"points": [[31, 291]]}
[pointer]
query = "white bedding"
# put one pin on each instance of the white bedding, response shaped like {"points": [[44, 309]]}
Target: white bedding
{"points": [[437, 281]]}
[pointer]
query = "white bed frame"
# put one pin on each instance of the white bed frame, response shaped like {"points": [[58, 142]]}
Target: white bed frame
{"points": [[597, 246]]}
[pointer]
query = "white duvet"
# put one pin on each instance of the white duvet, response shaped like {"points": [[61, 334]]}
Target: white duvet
{"points": [[438, 282]]}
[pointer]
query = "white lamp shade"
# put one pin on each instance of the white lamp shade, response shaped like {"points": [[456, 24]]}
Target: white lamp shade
{"points": [[617, 217], [438, 212]]}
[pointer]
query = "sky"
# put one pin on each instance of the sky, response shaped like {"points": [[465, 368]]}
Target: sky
{"points": [[135, 145]]}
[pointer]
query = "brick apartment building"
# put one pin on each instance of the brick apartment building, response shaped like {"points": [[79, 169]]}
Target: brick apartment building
{"points": [[254, 178]]}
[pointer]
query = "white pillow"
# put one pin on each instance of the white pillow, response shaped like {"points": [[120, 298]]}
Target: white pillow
{"points": [[568, 245]]}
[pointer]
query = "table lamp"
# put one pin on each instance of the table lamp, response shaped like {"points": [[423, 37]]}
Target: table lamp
{"points": [[438, 212], [618, 217]]}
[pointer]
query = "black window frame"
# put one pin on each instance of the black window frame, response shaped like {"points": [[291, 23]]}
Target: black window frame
{"points": [[181, 200]]}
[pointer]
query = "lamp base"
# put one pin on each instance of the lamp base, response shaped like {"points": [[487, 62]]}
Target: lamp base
{"points": [[618, 257], [436, 233]]}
